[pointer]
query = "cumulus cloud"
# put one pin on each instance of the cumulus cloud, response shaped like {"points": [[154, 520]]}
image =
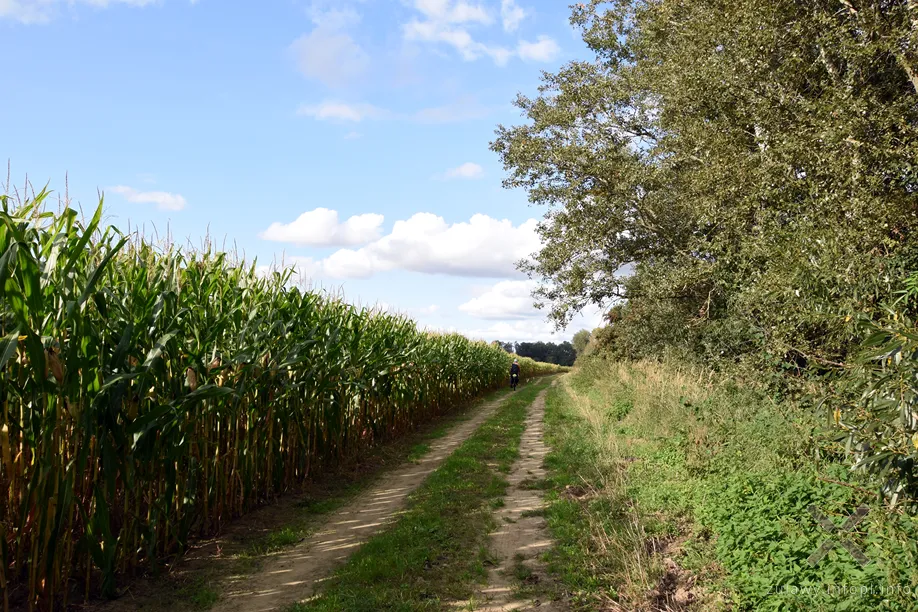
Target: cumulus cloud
{"points": [[329, 54], [443, 21], [331, 15], [544, 49], [321, 227], [511, 15], [348, 263], [26, 11], [534, 329], [457, 37], [444, 11], [163, 200], [468, 170], [509, 299], [413, 312], [331, 110], [451, 23], [482, 247], [302, 270]]}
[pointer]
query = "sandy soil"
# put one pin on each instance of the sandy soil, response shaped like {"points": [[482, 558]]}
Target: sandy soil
{"points": [[294, 574], [521, 538]]}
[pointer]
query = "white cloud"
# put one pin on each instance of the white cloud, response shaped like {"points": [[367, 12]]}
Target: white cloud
{"points": [[449, 23], [43, 11], [468, 170], [303, 269], [517, 331], [443, 11], [413, 312], [329, 56], [162, 199], [510, 299], [544, 49], [341, 111], [457, 37], [426, 310], [535, 329], [331, 110], [328, 53], [320, 227], [511, 14], [444, 22], [348, 263], [26, 11], [352, 135], [426, 243], [333, 16]]}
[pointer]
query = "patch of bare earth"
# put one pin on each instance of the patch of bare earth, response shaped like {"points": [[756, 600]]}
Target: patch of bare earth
{"points": [[522, 535], [294, 574], [675, 590], [280, 579]]}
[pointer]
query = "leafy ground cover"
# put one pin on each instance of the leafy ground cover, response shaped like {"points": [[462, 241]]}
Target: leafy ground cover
{"points": [[667, 487]]}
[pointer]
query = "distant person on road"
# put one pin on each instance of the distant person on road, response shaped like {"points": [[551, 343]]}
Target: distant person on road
{"points": [[514, 374]]}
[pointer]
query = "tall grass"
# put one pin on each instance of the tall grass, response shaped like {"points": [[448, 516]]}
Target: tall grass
{"points": [[689, 490], [150, 394]]}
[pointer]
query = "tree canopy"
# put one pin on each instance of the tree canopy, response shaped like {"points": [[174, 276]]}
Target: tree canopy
{"points": [[581, 340], [548, 352], [738, 176]]}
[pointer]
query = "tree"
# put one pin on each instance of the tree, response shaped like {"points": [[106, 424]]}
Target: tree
{"points": [[561, 354], [506, 346], [581, 340], [740, 174]]}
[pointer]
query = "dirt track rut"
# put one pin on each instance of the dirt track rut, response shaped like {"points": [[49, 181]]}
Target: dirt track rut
{"points": [[522, 535], [294, 574]]}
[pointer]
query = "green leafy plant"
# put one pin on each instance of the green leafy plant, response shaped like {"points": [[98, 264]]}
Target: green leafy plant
{"points": [[881, 425], [150, 394]]}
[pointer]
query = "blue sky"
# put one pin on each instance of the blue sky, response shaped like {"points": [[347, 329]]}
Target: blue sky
{"points": [[347, 138]]}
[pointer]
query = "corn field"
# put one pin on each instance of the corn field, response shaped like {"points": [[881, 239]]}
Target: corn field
{"points": [[150, 394]]}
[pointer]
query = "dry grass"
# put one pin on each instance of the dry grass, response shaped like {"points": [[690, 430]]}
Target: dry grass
{"points": [[625, 566]]}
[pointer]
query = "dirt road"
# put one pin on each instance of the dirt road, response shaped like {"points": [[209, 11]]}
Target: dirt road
{"points": [[293, 574], [522, 535]]}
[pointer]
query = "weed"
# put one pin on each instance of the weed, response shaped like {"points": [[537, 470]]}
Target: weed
{"points": [[534, 484], [535, 512], [417, 451], [719, 479], [199, 593]]}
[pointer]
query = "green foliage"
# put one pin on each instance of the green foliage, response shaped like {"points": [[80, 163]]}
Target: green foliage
{"points": [[881, 424], [739, 179], [584, 563], [200, 594], [561, 353], [728, 474], [741, 173], [149, 395], [581, 341]]}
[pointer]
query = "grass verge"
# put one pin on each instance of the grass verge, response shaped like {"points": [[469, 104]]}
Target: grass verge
{"points": [[668, 489], [437, 550]]}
